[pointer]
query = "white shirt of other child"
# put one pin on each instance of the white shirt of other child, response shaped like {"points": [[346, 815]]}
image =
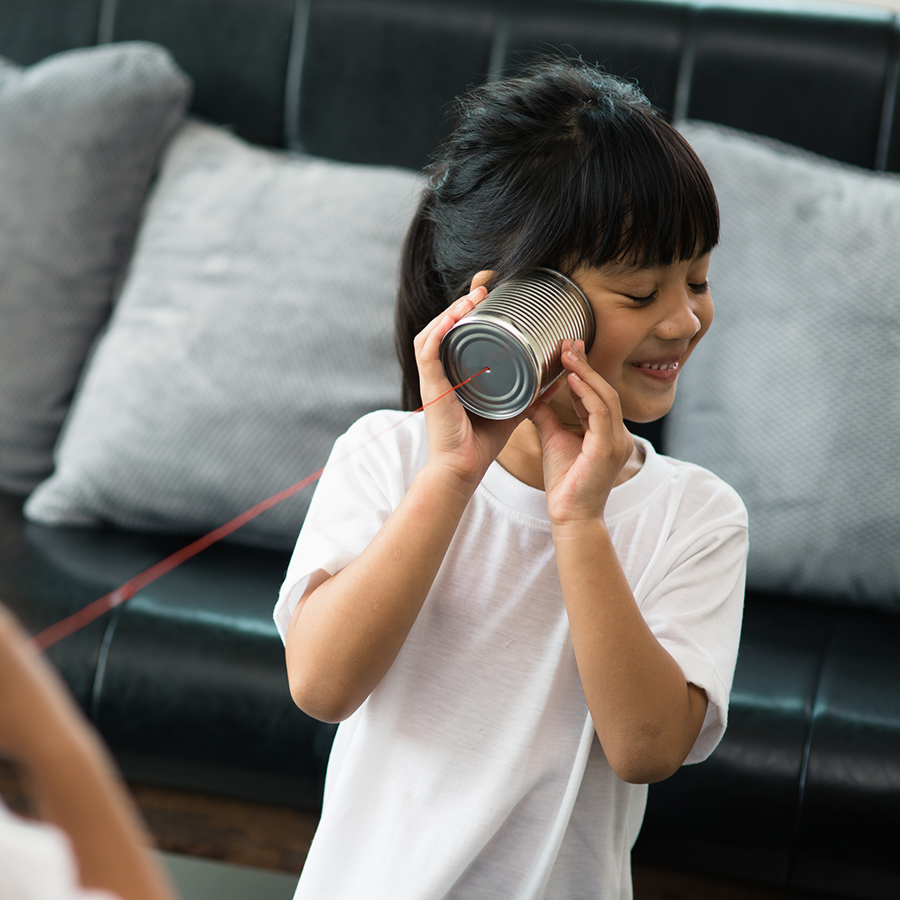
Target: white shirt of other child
{"points": [[37, 863], [473, 771]]}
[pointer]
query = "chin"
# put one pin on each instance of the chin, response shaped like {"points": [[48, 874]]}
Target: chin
{"points": [[643, 415]]}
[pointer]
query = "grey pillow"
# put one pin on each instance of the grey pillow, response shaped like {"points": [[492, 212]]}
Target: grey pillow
{"points": [[794, 397], [254, 327], [81, 134]]}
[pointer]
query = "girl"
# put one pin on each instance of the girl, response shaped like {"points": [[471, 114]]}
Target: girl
{"points": [[522, 623]]}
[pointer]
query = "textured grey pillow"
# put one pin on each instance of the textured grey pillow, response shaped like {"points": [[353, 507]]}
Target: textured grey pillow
{"points": [[794, 396], [255, 325], [81, 134]]}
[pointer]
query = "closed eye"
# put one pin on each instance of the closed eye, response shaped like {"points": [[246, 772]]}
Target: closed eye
{"points": [[700, 288], [643, 301]]}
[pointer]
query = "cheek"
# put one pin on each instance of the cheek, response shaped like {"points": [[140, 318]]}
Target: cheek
{"points": [[611, 347]]}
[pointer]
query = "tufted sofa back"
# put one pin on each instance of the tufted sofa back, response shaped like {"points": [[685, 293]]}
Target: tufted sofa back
{"points": [[372, 80]]}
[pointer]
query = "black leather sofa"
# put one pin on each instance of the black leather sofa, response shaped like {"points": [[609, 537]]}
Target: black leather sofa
{"points": [[186, 681]]}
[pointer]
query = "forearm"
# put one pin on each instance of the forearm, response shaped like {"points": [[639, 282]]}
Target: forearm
{"points": [[646, 715], [78, 789], [73, 779], [344, 635]]}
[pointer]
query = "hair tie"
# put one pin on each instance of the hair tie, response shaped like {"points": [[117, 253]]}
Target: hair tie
{"points": [[437, 185]]}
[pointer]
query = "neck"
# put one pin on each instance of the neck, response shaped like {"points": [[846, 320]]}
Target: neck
{"points": [[523, 458]]}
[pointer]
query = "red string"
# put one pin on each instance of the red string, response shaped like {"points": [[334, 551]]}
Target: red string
{"points": [[78, 620]]}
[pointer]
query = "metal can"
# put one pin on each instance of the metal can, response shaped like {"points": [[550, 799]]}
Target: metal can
{"points": [[515, 335]]}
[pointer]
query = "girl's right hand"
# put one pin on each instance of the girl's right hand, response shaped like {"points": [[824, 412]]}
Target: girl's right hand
{"points": [[464, 444]]}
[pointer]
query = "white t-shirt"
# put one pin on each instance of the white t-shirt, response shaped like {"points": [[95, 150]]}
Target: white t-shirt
{"points": [[37, 863], [473, 769]]}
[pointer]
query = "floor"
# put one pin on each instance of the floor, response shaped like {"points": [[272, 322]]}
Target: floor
{"points": [[200, 879]]}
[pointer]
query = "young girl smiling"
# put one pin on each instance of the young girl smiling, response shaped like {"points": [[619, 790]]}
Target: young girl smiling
{"points": [[521, 623]]}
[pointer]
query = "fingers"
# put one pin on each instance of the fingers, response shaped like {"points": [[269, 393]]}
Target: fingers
{"points": [[595, 402], [434, 331], [591, 394], [428, 342]]}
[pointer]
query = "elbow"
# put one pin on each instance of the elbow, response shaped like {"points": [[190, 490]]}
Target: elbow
{"points": [[645, 771], [320, 701], [646, 761], [647, 750], [316, 688]]}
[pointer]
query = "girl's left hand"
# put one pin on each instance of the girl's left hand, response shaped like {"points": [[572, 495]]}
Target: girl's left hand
{"points": [[580, 470]]}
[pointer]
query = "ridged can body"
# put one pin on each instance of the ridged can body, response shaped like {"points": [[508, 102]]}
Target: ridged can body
{"points": [[516, 334]]}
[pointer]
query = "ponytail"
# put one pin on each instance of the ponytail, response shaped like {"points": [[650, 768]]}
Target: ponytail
{"points": [[420, 297]]}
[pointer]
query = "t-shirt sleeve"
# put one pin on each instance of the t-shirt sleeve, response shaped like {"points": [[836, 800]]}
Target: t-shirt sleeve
{"points": [[695, 602], [363, 481], [37, 862]]}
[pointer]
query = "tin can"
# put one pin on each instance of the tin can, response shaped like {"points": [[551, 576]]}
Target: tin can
{"points": [[515, 334]]}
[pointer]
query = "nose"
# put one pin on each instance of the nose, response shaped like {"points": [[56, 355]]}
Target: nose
{"points": [[681, 319]]}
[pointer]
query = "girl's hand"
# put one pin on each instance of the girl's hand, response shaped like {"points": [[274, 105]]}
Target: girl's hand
{"points": [[580, 470], [465, 445]]}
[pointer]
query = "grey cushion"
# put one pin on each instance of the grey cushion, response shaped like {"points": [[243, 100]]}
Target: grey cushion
{"points": [[793, 397], [255, 326], [80, 138]]}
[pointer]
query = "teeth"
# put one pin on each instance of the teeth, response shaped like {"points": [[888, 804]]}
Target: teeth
{"points": [[658, 366]]}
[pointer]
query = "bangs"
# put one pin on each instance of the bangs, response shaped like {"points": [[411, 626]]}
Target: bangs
{"points": [[654, 206]]}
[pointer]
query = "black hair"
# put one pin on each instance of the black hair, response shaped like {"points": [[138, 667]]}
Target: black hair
{"points": [[561, 166]]}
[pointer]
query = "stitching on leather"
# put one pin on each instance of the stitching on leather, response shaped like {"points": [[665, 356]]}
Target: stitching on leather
{"points": [[500, 42], [888, 108], [294, 75], [686, 66], [827, 645], [106, 21], [100, 668]]}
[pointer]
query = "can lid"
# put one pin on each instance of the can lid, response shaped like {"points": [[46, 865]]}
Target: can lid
{"points": [[510, 384]]}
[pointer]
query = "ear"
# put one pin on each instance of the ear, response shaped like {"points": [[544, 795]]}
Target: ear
{"points": [[482, 278]]}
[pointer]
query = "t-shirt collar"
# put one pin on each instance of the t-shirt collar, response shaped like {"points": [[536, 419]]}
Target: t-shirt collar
{"points": [[532, 503]]}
